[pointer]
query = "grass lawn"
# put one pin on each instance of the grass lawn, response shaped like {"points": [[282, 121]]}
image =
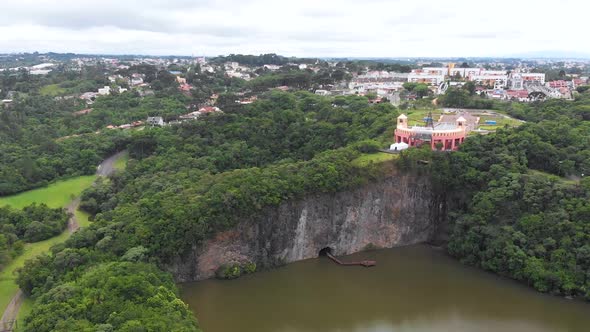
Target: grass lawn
{"points": [[501, 121], [8, 285], [52, 90], [377, 157], [121, 163], [57, 194], [24, 311], [82, 218], [7, 290], [416, 117]]}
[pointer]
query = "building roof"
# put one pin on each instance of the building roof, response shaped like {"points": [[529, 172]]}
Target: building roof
{"points": [[445, 126], [209, 109], [518, 93], [403, 116], [461, 119], [453, 118]]}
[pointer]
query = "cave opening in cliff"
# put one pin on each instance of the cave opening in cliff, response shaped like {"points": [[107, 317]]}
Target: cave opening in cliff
{"points": [[325, 251]]}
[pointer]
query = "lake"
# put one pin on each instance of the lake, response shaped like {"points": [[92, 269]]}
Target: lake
{"points": [[416, 288]]}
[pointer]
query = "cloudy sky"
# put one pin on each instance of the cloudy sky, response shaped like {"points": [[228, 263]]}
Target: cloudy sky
{"points": [[368, 28]]}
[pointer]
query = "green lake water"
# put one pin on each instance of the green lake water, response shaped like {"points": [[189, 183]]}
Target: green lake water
{"points": [[414, 288]]}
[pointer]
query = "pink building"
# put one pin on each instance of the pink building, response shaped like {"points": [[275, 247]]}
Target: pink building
{"points": [[558, 84], [449, 134]]}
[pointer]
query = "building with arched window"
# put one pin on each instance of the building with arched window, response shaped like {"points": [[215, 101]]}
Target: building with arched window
{"points": [[446, 134]]}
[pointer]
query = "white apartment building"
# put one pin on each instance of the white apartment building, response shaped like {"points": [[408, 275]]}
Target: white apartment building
{"points": [[490, 79], [516, 82], [463, 72], [533, 77], [426, 77]]}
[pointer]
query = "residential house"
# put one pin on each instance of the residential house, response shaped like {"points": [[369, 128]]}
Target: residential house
{"points": [[272, 67], [7, 103], [104, 91], [191, 116], [247, 101], [136, 81], [185, 87], [519, 95], [209, 109], [155, 121], [89, 97]]}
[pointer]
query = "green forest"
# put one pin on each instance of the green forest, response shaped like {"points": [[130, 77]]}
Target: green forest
{"points": [[31, 224], [517, 201], [186, 182]]}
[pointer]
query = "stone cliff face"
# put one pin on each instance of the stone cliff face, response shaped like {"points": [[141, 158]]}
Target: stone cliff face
{"points": [[399, 210]]}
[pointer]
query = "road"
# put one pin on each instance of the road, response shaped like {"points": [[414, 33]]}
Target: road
{"points": [[106, 168]]}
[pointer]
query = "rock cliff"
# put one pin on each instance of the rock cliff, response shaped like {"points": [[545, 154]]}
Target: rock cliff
{"points": [[398, 210]]}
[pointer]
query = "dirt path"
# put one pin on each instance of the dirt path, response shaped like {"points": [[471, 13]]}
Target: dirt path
{"points": [[105, 168], [11, 311], [9, 316], [73, 221]]}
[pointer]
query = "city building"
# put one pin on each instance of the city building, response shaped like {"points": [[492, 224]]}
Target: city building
{"points": [[517, 95], [431, 78], [558, 84], [537, 78], [516, 82], [446, 134], [490, 79]]}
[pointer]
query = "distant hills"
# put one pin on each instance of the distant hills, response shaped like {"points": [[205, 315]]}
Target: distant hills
{"points": [[552, 55]]}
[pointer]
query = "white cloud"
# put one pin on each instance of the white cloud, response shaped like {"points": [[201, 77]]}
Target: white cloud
{"points": [[377, 28]]}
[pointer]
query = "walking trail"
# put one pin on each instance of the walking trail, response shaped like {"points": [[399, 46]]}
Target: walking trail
{"points": [[7, 323]]}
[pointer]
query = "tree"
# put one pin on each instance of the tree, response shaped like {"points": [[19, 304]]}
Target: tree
{"points": [[455, 98], [421, 90], [410, 86], [470, 87], [115, 296]]}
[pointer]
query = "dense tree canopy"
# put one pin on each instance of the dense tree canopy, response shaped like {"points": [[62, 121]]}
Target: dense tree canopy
{"points": [[518, 202], [117, 296], [31, 224], [519, 199], [187, 182]]}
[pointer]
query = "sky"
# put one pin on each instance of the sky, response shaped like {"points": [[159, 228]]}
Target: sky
{"points": [[318, 28]]}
